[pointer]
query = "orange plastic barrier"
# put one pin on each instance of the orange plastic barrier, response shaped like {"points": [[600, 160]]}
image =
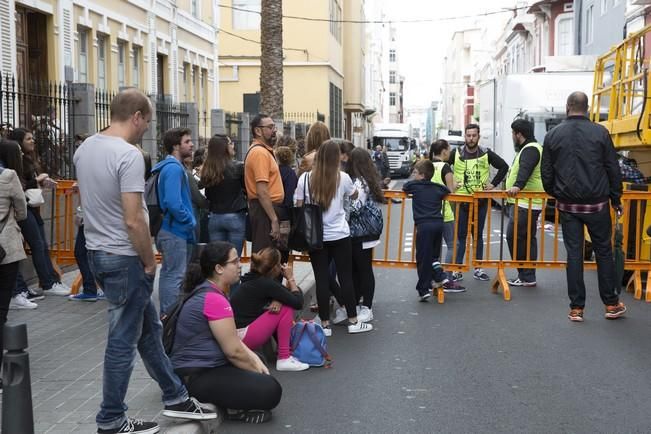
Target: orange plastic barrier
{"points": [[398, 242]]}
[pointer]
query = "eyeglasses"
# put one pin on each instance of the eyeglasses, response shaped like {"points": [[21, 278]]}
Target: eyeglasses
{"points": [[271, 127], [235, 260]]}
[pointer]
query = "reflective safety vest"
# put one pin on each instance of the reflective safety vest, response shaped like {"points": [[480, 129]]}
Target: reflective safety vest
{"points": [[471, 175], [534, 183], [437, 178]]}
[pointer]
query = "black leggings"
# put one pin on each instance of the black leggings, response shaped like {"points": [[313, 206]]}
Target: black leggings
{"points": [[234, 388], [341, 252], [363, 276]]}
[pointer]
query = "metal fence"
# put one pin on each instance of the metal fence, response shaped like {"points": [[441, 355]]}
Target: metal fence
{"points": [[46, 109], [303, 117], [232, 125], [103, 100], [203, 118], [168, 115]]}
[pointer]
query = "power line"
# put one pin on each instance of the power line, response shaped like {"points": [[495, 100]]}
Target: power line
{"points": [[302, 50], [411, 21]]}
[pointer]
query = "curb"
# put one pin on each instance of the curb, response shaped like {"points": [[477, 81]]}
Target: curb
{"points": [[173, 426]]}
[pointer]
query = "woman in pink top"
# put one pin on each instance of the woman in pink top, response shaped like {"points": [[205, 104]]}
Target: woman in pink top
{"points": [[208, 353]]}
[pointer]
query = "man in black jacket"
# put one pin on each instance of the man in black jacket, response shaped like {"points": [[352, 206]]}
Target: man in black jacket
{"points": [[580, 169]]}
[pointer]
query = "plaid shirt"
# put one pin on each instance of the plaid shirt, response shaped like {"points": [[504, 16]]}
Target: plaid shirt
{"points": [[630, 172], [581, 208]]}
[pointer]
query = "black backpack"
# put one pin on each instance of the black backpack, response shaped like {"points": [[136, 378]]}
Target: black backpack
{"points": [[156, 213], [170, 319]]}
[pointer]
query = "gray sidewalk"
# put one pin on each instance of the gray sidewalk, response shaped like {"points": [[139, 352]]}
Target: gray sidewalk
{"points": [[66, 350]]}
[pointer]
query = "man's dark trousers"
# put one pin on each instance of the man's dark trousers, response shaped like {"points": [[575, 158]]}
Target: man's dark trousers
{"points": [[524, 274], [600, 230], [428, 247]]}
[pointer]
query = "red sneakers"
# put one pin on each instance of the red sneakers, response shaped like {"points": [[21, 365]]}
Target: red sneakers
{"points": [[575, 315], [615, 311]]}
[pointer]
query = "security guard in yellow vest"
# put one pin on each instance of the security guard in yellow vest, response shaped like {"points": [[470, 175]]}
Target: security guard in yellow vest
{"points": [[471, 164], [439, 153], [524, 176]]}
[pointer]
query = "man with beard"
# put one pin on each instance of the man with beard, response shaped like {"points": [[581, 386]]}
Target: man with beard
{"points": [[524, 175], [471, 167], [176, 236], [264, 187]]}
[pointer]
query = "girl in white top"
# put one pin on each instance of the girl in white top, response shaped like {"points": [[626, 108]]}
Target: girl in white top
{"points": [[327, 186]]}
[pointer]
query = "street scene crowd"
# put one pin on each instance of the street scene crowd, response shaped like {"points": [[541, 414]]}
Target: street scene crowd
{"points": [[201, 206]]}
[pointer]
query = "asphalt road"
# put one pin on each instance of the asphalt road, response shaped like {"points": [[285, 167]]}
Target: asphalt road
{"points": [[476, 364]]}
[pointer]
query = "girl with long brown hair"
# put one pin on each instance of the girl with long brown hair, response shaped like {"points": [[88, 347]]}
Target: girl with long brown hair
{"points": [[33, 229], [316, 136], [327, 186], [223, 179], [362, 171]]}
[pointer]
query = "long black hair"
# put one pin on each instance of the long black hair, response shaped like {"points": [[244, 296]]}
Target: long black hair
{"points": [[18, 135], [360, 165], [10, 156], [213, 254]]}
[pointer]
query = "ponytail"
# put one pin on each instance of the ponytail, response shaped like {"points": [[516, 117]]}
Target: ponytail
{"points": [[193, 277], [213, 254]]}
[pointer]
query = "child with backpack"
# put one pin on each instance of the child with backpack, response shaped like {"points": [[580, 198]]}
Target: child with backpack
{"points": [[427, 198]]}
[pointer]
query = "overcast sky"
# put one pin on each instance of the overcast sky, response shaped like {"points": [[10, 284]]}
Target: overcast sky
{"points": [[422, 46]]}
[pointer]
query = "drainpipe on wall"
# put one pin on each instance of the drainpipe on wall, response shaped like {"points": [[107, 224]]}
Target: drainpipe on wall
{"points": [[578, 9]]}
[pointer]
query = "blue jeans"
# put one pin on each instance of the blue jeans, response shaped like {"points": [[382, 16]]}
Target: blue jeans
{"points": [[133, 325], [229, 227], [176, 254], [462, 230], [81, 256], [34, 234]]}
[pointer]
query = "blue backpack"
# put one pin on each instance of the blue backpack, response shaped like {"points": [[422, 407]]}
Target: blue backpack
{"points": [[308, 344]]}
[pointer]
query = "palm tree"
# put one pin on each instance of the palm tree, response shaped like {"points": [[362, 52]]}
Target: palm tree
{"points": [[271, 58]]}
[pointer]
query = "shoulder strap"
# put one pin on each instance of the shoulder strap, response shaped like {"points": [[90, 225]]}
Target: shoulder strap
{"points": [[255, 146], [194, 292], [311, 332]]}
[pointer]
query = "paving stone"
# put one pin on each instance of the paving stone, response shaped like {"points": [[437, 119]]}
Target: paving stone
{"points": [[66, 350]]}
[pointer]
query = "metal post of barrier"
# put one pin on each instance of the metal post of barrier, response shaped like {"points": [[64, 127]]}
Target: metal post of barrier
{"points": [[500, 276], [17, 412]]}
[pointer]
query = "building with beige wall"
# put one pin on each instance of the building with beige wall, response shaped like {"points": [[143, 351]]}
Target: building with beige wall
{"points": [[320, 77], [164, 47]]}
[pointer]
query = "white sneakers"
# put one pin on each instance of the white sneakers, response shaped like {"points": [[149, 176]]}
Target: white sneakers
{"points": [[59, 289], [20, 301], [364, 314], [359, 327], [340, 316], [291, 364]]}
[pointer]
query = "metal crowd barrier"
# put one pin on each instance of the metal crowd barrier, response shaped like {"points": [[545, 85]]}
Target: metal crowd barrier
{"points": [[398, 242]]}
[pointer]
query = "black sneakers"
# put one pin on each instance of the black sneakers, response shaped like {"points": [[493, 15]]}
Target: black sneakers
{"points": [[132, 426], [191, 409]]}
